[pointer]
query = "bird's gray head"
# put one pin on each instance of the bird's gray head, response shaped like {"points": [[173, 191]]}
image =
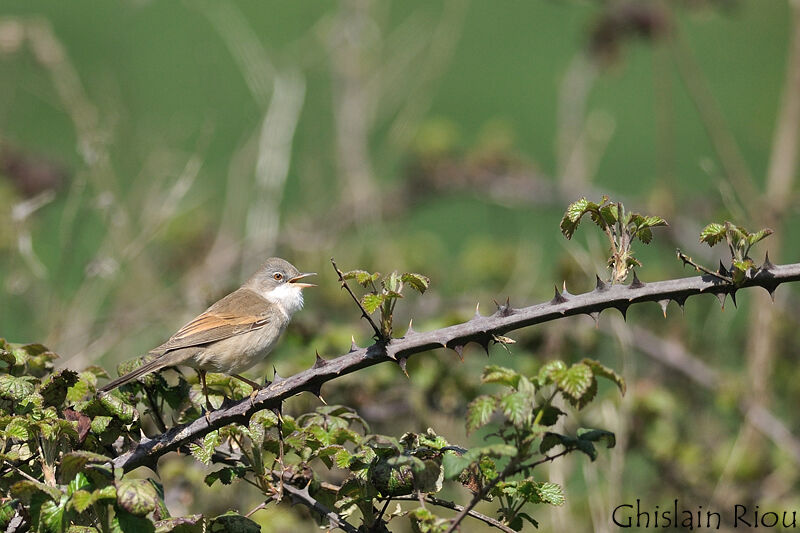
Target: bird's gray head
{"points": [[279, 281]]}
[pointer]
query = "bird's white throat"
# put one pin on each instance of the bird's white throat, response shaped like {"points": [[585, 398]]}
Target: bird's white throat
{"points": [[288, 297]]}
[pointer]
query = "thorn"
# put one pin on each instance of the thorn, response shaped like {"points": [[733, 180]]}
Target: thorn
{"points": [[316, 390], [596, 316], [721, 297], [767, 263], [477, 311], [601, 286], [636, 284], [771, 290], [484, 342], [319, 362], [459, 349], [722, 270], [410, 330], [681, 300], [564, 290], [558, 298], [733, 297], [504, 309], [402, 363], [353, 345], [276, 378], [623, 308], [663, 303]]}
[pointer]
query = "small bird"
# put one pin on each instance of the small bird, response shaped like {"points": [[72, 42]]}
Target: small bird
{"points": [[236, 332]]}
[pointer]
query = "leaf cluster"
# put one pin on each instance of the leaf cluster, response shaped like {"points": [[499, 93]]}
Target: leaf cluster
{"points": [[383, 293], [739, 242], [58, 441], [620, 226]]}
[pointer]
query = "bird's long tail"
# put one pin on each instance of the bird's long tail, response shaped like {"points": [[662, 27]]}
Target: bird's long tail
{"points": [[152, 366]]}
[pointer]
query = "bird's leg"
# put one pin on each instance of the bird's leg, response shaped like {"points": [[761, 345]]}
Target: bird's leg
{"points": [[256, 387], [209, 407]]}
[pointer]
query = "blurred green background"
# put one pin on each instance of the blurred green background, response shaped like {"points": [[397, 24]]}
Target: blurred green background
{"points": [[153, 153]]}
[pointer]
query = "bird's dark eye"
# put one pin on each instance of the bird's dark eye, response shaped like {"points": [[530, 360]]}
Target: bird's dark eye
{"points": [[277, 276]]}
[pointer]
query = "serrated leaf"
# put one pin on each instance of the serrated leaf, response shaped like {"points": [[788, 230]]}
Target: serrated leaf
{"points": [[80, 500], [26, 489], [500, 375], [551, 493], [645, 235], [712, 234], [549, 415], [137, 496], [479, 412], [551, 440], [204, 452], [125, 522], [54, 387], [598, 435], [575, 381], [759, 235], [233, 523], [549, 371], [226, 475], [598, 369], [74, 462], [20, 429], [416, 281], [182, 524], [571, 219], [16, 388], [116, 406], [371, 302], [516, 406]]}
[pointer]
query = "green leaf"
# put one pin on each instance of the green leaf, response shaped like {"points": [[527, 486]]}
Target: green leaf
{"points": [[125, 522], [516, 406], [610, 213], [74, 462], [598, 435], [233, 523], [572, 217], [549, 416], [416, 281], [575, 381], [603, 371], [712, 234], [645, 235], [116, 406], [551, 440], [20, 429], [501, 375], [26, 489], [182, 524], [226, 475], [759, 235], [362, 277], [137, 496], [16, 388], [80, 500], [548, 372], [203, 453], [372, 301], [551, 493], [479, 411], [54, 387]]}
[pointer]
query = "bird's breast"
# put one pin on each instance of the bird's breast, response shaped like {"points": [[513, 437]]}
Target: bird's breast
{"points": [[240, 352]]}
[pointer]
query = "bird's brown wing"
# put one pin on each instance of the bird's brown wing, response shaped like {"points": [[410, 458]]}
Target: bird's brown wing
{"points": [[239, 312]]}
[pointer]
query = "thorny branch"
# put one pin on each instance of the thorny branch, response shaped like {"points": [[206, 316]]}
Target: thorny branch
{"points": [[479, 329]]}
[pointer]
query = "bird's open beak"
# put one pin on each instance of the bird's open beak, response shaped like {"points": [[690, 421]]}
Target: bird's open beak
{"points": [[296, 279]]}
